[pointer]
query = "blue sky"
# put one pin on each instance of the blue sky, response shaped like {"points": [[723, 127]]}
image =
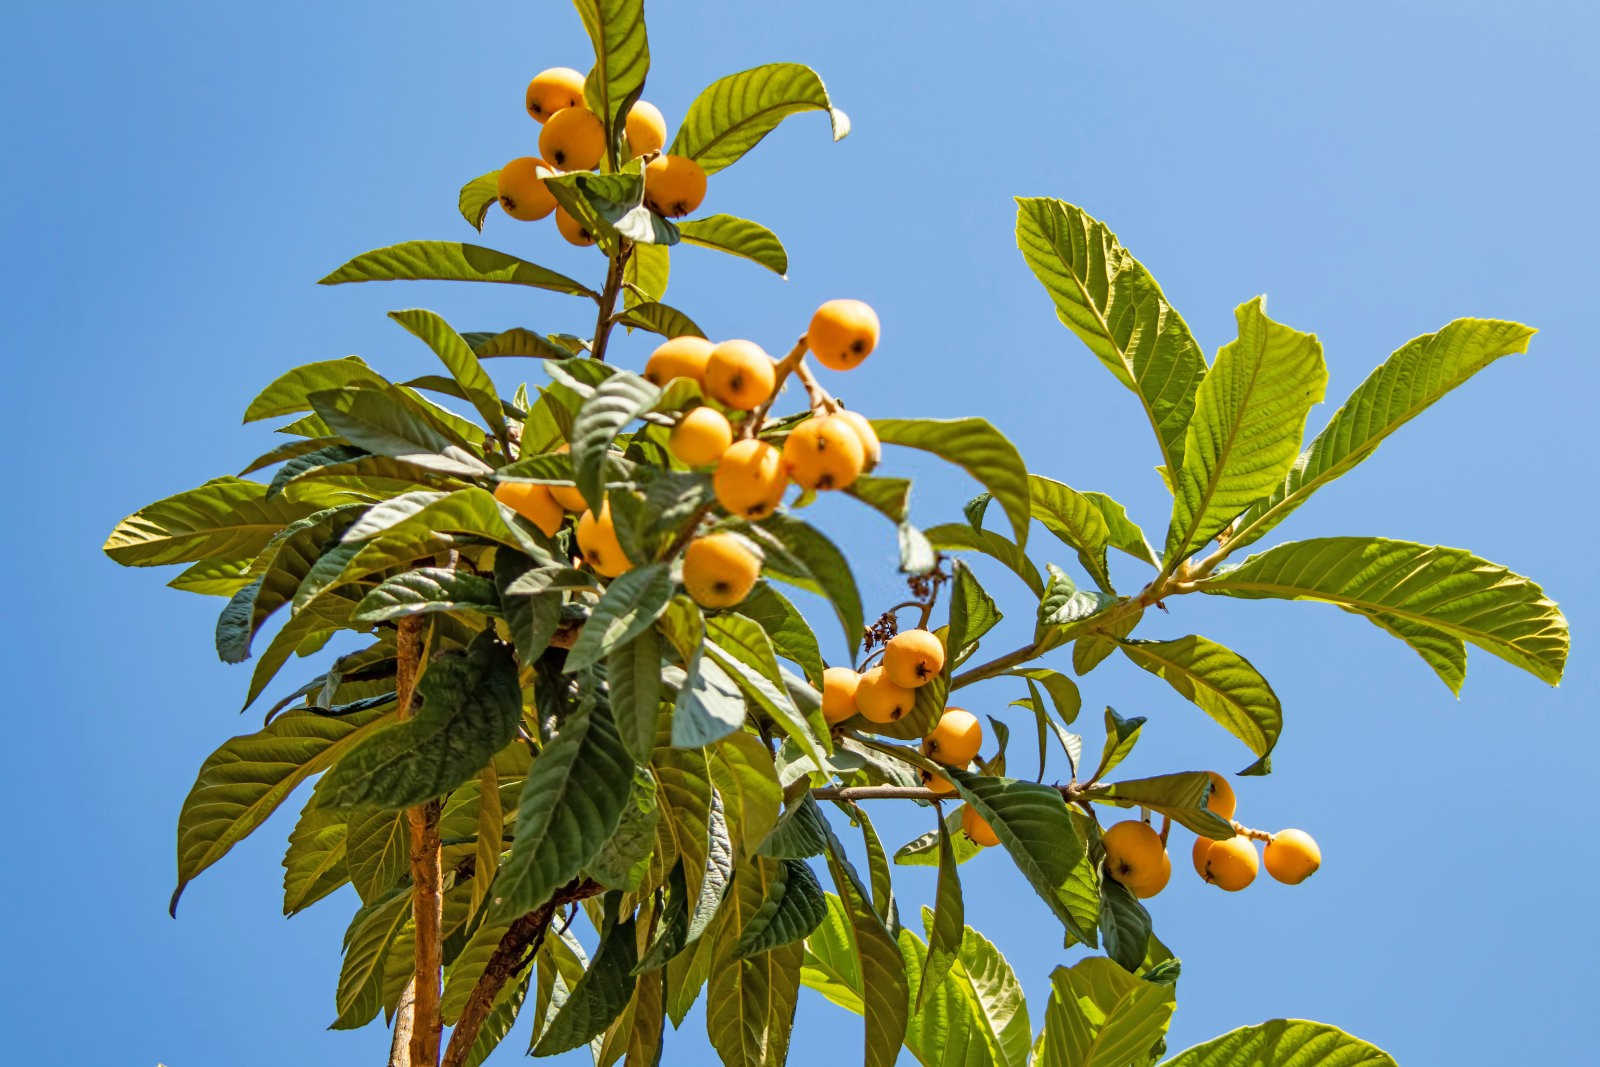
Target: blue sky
{"points": [[178, 174]]}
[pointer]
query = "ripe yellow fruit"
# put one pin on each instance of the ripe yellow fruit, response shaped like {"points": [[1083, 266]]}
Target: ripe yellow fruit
{"points": [[551, 90], [880, 700], [522, 192], [1292, 856], [1230, 864], [740, 374], [1133, 852], [842, 333], [977, 828], [719, 570], [532, 502], [597, 541], [679, 357], [955, 740], [701, 437], [749, 479], [567, 495], [839, 693], [913, 658], [937, 782], [824, 453], [871, 447], [573, 138], [1222, 801], [673, 185], [574, 231], [646, 129], [1149, 887]]}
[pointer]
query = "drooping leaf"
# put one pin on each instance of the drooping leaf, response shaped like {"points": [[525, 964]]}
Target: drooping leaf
{"points": [[634, 672], [459, 358], [1181, 796], [477, 197], [738, 237], [454, 262], [599, 996], [978, 448], [1124, 924], [377, 849], [732, 114], [290, 392], [426, 590], [658, 318], [313, 865], [751, 999], [621, 56], [814, 563], [742, 649], [798, 835], [885, 987], [1088, 523], [792, 908], [390, 423], [371, 932], [788, 630], [973, 612], [960, 536], [646, 273], [615, 402], [224, 518], [623, 861], [948, 920], [1222, 684], [1100, 1015], [742, 774], [629, 606], [1284, 1043]]}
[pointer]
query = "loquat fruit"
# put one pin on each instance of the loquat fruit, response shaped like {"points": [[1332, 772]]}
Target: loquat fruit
{"points": [[1133, 852], [532, 502], [740, 374], [551, 90], [913, 657], [701, 437], [1221, 801], [937, 782], [574, 231], [1230, 864], [673, 185], [567, 495], [842, 333], [879, 700], [719, 570], [749, 479], [977, 828], [573, 138], [678, 357], [823, 452], [646, 128], [522, 192], [871, 447], [1292, 856], [1149, 887], [597, 541], [956, 738], [839, 693]]}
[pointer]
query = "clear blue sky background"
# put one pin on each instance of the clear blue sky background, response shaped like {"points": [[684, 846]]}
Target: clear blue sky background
{"points": [[177, 174]]}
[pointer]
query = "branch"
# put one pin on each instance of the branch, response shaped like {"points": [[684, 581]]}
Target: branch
{"points": [[608, 300], [786, 366], [400, 1044], [877, 792]]}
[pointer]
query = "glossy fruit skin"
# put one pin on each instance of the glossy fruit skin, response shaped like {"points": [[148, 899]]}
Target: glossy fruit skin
{"points": [[880, 700], [871, 447], [597, 540], [749, 479], [1292, 856], [532, 502], [823, 452], [956, 738], [1133, 852], [646, 129], [701, 437], [977, 828], [573, 138], [673, 186], [937, 782], [913, 658], [740, 374], [1222, 800], [679, 357], [1156, 882], [573, 230], [1229, 865], [719, 570], [842, 334], [551, 90], [567, 495], [522, 192], [839, 693]]}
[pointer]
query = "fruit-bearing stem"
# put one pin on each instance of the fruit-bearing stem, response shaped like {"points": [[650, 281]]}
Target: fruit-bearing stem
{"points": [[608, 298]]}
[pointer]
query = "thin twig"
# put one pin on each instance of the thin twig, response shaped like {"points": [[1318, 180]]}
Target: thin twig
{"points": [[608, 300], [785, 367]]}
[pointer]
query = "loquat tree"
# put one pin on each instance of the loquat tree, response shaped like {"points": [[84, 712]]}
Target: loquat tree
{"points": [[577, 691]]}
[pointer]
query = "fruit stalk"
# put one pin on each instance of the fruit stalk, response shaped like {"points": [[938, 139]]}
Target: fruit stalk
{"points": [[785, 367]]}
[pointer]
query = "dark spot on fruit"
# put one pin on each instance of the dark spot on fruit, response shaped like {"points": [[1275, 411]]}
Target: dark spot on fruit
{"points": [[858, 346], [825, 482], [508, 203], [721, 587], [895, 714], [560, 158]]}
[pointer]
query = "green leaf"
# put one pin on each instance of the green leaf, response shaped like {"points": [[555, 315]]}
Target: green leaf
{"points": [[571, 803], [976, 447], [960, 536], [1284, 1043], [630, 604], [226, 518], [1181, 796], [611, 206], [742, 648], [291, 391], [647, 272], [1420, 372], [1063, 604], [451, 261], [812, 562], [1099, 1015], [616, 402], [377, 849], [923, 850], [501, 1019], [599, 996], [798, 835], [738, 237], [658, 318], [709, 706], [428, 589], [1121, 735], [245, 780], [1439, 650], [461, 361], [1087, 523], [624, 860], [1446, 589], [314, 864], [1222, 684], [390, 423], [972, 612], [516, 341], [978, 1015], [742, 774], [532, 620], [733, 113], [633, 670], [411, 525], [793, 906], [1111, 302], [477, 197], [367, 941], [621, 57], [751, 1000], [213, 577], [1249, 416], [1124, 924], [885, 988], [788, 630], [890, 496], [471, 707], [948, 920]]}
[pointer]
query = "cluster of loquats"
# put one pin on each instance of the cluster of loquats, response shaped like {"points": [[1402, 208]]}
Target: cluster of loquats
{"points": [[573, 138]]}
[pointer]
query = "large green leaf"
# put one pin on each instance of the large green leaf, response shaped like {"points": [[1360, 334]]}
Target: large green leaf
{"points": [[1249, 417], [1222, 684], [245, 780], [616, 402], [751, 999], [226, 518], [571, 803], [624, 860], [377, 849], [733, 113], [960, 536], [1111, 302], [1087, 523], [366, 942], [1284, 1043], [599, 996], [658, 318], [647, 273], [313, 865], [389, 422], [611, 206], [1408, 382], [426, 590], [1181, 796], [709, 706], [633, 670], [793, 907], [459, 358], [742, 774], [978, 448], [946, 922], [628, 607], [885, 987], [788, 630], [621, 56], [812, 562], [1446, 589], [291, 391], [978, 1016], [738, 237], [745, 652], [411, 525], [451, 261], [1124, 924], [1100, 1015], [471, 708]]}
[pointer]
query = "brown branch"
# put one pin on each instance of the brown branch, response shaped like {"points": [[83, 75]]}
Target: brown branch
{"points": [[877, 792], [815, 393], [517, 946], [608, 300], [786, 366], [400, 1044]]}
